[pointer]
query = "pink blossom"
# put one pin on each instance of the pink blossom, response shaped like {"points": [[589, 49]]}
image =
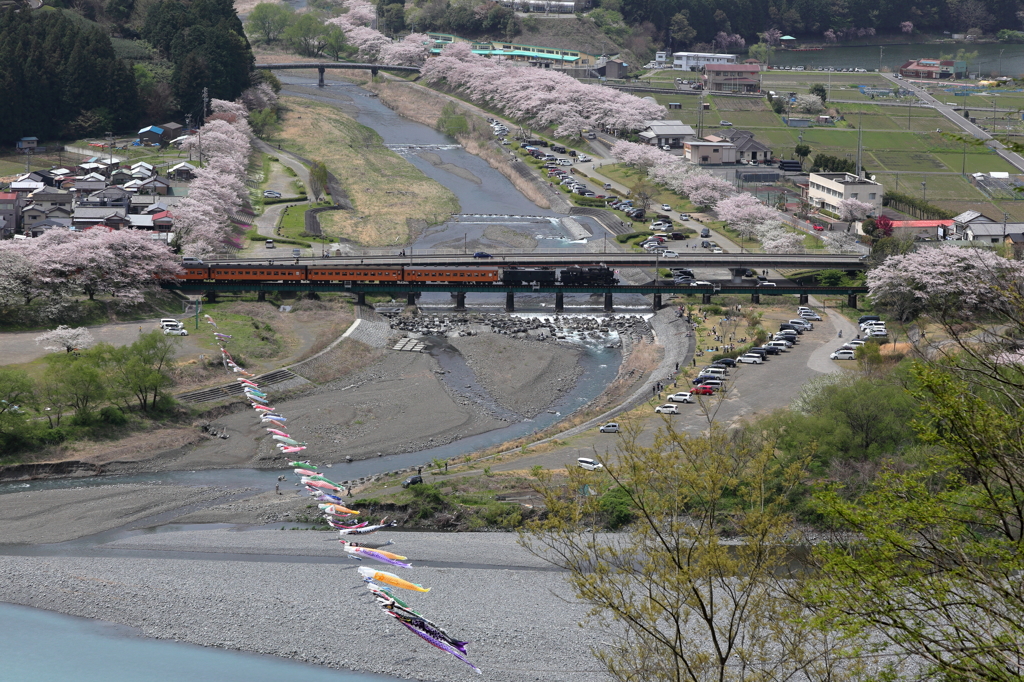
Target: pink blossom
{"points": [[745, 213], [947, 279], [852, 209], [907, 27], [413, 50], [704, 189]]}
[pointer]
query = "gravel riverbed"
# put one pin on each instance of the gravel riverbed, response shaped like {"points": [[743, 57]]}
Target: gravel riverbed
{"points": [[281, 593]]}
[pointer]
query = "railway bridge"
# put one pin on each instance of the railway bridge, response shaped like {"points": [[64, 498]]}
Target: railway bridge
{"points": [[323, 66], [411, 291]]}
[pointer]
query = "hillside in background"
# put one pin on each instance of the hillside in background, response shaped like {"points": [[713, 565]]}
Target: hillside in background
{"points": [[69, 72]]}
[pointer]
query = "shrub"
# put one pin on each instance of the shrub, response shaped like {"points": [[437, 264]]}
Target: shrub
{"points": [[617, 507], [112, 416]]}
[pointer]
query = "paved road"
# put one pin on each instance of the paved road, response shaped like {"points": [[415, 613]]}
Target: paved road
{"points": [[964, 124]]}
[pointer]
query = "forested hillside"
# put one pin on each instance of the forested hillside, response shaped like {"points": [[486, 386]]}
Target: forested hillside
{"points": [[68, 73], [812, 18]]}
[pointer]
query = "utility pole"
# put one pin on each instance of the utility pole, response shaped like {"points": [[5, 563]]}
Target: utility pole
{"points": [[188, 128], [860, 141], [881, 51], [110, 145]]}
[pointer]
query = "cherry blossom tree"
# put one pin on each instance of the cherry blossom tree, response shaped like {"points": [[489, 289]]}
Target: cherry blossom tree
{"points": [[809, 104], [773, 37], [745, 213], [66, 339], [830, 36], [907, 27], [852, 209], [726, 42], [413, 50], [839, 242], [18, 280], [946, 281], [642, 156], [261, 96], [704, 189], [775, 238]]}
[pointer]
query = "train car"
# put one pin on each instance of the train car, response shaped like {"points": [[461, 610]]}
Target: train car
{"points": [[589, 276], [528, 276], [265, 273], [194, 274], [471, 275], [328, 273]]}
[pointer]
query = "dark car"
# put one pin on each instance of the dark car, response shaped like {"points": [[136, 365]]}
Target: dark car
{"points": [[482, 254], [868, 318], [412, 480], [785, 326], [763, 352], [705, 244], [724, 362], [770, 350], [678, 235]]}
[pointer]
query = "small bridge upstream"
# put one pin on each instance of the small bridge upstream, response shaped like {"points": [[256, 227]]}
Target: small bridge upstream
{"points": [[323, 66]]}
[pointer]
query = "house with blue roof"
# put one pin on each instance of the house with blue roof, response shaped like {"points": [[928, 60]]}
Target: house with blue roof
{"points": [[151, 135]]}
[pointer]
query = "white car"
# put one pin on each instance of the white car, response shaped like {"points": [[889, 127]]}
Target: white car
{"points": [[843, 355], [855, 342], [684, 397], [666, 208], [718, 249], [610, 427], [700, 283], [878, 333], [175, 331], [667, 409], [589, 464], [750, 359], [669, 254]]}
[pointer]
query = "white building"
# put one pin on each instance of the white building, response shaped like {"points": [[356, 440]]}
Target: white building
{"points": [[826, 190], [660, 58], [695, 61], [667, 133]]}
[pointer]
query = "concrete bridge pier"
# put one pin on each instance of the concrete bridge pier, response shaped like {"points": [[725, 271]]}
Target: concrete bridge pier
{"points": [[559, 302], [321, 70], [803, 299], [360, 298], [261, 296], [510, 302], [657, 302], [705, 299], [211, 296], [460, 301], [737, 274], [411, 298], [851, 300], [608, 307], [755, 298]]}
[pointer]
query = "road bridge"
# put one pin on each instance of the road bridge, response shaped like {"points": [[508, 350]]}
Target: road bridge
{"points": [[412, 290], [323, 66]]}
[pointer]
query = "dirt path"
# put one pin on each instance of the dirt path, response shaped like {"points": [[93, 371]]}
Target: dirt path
{"points": [[20, 347]]}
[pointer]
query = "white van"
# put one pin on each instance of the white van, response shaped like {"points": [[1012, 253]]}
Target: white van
{"points": [[565, 162], [715, 371], [806, 324], [588, 464], [781, 345], [843, 355]]}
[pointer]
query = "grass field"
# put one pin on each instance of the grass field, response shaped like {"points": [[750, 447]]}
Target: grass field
{"points": [[388, 192]]}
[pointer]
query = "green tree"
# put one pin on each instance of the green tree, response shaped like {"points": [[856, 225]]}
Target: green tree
{"points": [[762, 52], [933, 560], [140, 372], [818, 89], [393, 18], [262, 121], [317, 179], [673, 597], [306, 35], [269, 20], [802, 151], [643, 192], [75, 382], [334, 43], [681, 31], [451, 122], [17, 393]]}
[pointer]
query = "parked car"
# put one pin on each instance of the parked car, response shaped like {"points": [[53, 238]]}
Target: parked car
{"points": [[868, 318], [818, 228], [763, 352], [700, 283], [765, 284], [802, 322], [684, 397], [269, 244], [843, 355], [482, 254], [725, 124], [589, 464], [412, 480], [703, 390], [191, 260], [684, 216], [767, 349], [666, 207], [669, 254], [610, 427], [175, 331], [667, 409], [856, 343], [878, 333], [810, 315], [724, 362], [271, 194], [716, 249], [751, 359], [170, 322]]}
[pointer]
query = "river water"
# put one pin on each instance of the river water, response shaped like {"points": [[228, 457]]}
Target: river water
{"points": [[988, 61]]}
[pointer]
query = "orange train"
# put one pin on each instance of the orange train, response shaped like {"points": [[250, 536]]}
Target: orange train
{"points": [[326, 273]]}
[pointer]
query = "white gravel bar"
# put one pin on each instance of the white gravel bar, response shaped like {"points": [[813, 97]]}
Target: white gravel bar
{"points": [[517, 614]]}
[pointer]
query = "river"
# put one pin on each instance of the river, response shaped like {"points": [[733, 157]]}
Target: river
{"points": [[870, 57]]}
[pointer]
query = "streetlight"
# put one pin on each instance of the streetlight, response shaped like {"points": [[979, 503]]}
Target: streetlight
{"points": [[1001, 61], [924, 192]]}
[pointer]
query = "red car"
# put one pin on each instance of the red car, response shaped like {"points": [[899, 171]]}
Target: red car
{"points": [[703, 390], [819, 228]]}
